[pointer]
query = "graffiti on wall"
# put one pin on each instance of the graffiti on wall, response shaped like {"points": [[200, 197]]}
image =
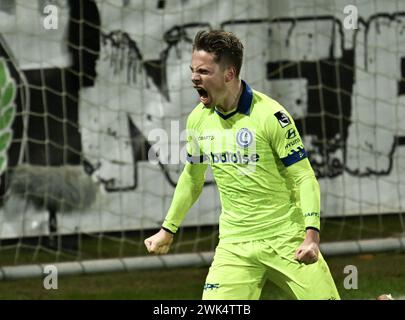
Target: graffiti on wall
{"points": [[114, 81]]}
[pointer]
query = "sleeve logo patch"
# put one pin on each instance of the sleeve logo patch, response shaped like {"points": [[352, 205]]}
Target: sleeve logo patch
{"points": [[282, 118], [290, 134]]}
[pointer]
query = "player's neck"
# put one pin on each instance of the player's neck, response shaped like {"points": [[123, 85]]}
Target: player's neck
{"points": [[232, 96]]}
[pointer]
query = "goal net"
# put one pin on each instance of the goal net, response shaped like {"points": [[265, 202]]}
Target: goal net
{"points": [[94, 96]]}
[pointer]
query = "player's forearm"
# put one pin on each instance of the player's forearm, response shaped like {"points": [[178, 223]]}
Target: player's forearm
{"points": [[309, 192], [188, 189], [310, 201]]}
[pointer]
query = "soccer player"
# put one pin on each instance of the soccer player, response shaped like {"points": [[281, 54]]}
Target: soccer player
{"points": [[269, 225]]}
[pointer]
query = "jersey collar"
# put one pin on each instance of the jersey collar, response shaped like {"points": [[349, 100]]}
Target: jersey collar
{"points": [[245, 102]]}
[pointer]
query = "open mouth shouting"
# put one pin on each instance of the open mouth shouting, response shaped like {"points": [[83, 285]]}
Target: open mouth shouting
{"points": [[204, 97]]}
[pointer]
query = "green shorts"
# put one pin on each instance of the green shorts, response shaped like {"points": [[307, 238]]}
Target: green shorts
{"points": [[240, 270]]}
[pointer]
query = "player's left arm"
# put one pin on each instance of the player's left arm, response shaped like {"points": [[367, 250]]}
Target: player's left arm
{"points": [[309, 193], [287, 144]]}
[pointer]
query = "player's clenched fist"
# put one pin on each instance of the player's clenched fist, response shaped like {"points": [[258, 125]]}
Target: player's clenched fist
{"points": [[159, 243], [308, 251]]}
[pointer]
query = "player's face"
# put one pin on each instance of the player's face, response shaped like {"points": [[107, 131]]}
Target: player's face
{"points": [[208, 78]]}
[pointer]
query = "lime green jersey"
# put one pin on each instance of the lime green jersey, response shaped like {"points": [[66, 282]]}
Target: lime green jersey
{"points": [[249, 150], [266, 184]]}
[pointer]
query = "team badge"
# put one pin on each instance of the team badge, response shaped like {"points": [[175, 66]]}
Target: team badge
{"points": [[244, 138], [282, 118]]}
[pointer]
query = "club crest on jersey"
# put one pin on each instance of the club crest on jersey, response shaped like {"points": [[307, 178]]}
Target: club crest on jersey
{"points": [[244, 138], [282, 118]]}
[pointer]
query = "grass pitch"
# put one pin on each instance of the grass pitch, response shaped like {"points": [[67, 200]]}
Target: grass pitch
{"points": [[377, 274]]}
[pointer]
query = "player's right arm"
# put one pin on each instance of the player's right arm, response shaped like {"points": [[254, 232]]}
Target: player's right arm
{"points": [[188, 190]]}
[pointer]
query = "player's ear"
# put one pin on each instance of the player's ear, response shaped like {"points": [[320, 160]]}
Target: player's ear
{"points": [[230, 73]]}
